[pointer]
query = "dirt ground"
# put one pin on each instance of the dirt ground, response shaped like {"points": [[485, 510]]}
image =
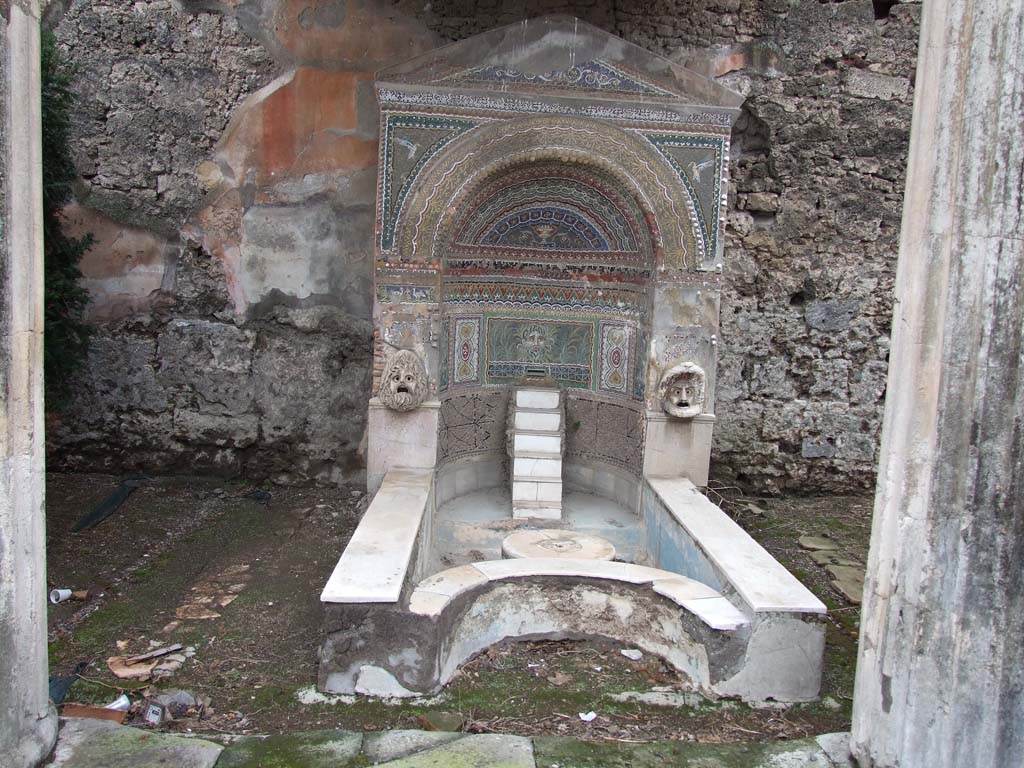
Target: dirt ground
{"points": [[256, 564]]}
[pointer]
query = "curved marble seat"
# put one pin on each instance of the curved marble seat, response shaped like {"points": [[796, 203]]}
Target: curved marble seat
{"points": [[433, 595]]}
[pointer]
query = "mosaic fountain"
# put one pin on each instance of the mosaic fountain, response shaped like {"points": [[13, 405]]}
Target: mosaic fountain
{"points": [[549, 266]]}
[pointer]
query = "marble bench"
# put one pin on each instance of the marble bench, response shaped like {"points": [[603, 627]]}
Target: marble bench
{"points": [[375, 565], [740, 563]]}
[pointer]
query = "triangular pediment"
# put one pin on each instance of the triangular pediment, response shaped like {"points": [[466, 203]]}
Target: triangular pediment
{"points": [[559, 56]]}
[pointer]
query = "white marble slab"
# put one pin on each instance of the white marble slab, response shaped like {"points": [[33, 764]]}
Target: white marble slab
{"points": [[549, 444], [680, 589], [373, 566], [537, 398], [454, 581], [763, 583], [426, 603], [524, 491], [705, 603], [535, 421], [717, 613], [549, 491], [530, 468]]}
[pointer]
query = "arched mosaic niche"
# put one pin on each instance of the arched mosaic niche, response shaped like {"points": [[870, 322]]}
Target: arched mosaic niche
{"points": [[545, 270], [549, 203], [494, 152]]}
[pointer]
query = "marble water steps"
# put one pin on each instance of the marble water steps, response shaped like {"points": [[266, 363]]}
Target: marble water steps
{"points": [[433, 595], [537, 434]]}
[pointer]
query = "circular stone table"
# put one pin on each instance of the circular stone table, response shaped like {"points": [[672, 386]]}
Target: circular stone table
{"points": [[557, 544]]}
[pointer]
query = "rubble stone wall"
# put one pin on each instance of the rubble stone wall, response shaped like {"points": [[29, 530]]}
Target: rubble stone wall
{"points": [[228, 152]]}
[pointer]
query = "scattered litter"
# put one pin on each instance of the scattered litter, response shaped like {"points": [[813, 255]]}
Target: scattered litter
{"points": [[58, 596], [155, 713], [94, 713], [59, 685], [122, 704], [597, 669], [587, 717], [214, 593], [178, 703], [756, 510], [632, 654], [170, 627], [156, 664], [126, 671], [154, 654], [109, 505], [174, 705]]}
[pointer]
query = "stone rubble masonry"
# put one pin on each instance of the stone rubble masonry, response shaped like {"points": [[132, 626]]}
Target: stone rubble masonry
{"points": [[241, 135]]}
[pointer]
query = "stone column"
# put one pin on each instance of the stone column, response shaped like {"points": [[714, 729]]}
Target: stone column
{"points": [[942, 640], [28, 723]]}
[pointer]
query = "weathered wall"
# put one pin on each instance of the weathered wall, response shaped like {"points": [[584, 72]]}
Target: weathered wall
{"points": [[228, 154], [238, 138]]}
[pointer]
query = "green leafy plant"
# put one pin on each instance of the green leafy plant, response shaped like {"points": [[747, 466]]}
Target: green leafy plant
{"points": [[66, 336]]}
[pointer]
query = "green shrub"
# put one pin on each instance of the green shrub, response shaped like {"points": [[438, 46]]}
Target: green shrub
{"points": [[66, 337]]}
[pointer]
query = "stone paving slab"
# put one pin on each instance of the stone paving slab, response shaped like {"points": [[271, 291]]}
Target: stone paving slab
{"points": [[564, 752], [393, 745], [310, 749], [488, 750], [84, 743], [99, 744]]}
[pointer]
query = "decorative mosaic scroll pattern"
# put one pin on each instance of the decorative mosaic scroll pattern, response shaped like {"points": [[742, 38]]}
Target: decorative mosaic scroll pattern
{"points": [[698, 161], [594, 75], [608, 431], [516, 293], [472, 423], [466, 351], [409, 141], [615, 357]]}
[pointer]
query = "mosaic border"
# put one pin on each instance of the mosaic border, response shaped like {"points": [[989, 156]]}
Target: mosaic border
{"points": [[716, 143], [511, 104], [390, 207]]}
